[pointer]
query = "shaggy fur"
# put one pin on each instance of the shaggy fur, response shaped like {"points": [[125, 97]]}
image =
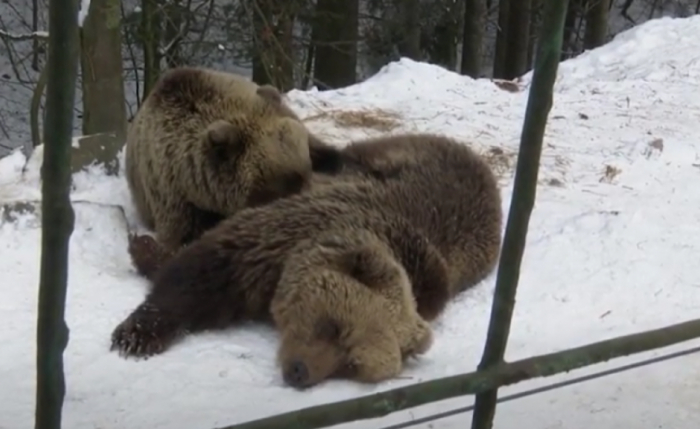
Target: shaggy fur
{"points": [[431, 220], [206, 144]]}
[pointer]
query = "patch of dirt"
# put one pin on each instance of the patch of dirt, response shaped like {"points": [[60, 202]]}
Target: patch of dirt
{"points": [[501, 161], [609, 174]]}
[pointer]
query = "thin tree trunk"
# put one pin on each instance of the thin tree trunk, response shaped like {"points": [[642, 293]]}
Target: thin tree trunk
{"points": [[499, 59], [522, 202], [104, 108], [173, 23], [151, 37], [262, 41], [336, 34], [283, 49], [473, 37], [596, 24], [426, 392], [515, 64], [57, 215], [410, 43], [446, 35], [35, 41]]}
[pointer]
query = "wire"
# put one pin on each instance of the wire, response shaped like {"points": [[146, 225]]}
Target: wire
{"points": [[543, 389]]}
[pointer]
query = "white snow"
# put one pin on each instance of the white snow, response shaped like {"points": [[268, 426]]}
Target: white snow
{"points": [[83, 12], [605, 257]]}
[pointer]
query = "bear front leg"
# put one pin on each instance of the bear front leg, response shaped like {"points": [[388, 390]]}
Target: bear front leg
{"points": [[191, 293]]}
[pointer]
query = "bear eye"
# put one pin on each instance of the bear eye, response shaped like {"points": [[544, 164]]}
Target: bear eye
{"points": [[348, 370], [328, 329]]}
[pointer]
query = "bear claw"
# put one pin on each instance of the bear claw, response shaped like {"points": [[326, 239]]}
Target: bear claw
{"points": [[142, 335]]}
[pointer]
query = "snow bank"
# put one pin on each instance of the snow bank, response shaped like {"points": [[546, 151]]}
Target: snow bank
{"points": [[611, 250]]}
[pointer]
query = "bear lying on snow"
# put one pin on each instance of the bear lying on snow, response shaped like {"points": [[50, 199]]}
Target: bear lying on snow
{"points": [[206, 144], [349, 272]]}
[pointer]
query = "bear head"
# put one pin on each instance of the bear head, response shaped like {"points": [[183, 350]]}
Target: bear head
{"points": [[260, 160], [345, 309]]}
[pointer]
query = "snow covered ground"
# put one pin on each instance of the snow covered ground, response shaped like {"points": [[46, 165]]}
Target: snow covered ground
{"points": [[612, 250]]}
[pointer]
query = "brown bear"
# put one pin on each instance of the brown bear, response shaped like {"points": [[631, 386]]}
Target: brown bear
{"points": [[433, 221], [206, 144]]}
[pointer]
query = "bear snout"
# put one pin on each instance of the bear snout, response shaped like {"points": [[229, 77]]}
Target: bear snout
{"points": [[296, 374]]}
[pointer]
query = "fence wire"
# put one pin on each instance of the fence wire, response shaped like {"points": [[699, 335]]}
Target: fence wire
{"points": [[548, 388]]}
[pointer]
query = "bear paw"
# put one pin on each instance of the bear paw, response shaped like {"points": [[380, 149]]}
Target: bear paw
{"points": [[147, 254], [144, 333]]}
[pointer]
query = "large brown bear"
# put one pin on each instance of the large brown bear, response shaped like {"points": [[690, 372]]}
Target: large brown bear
{"points": [[206, 144], [331, 267]]}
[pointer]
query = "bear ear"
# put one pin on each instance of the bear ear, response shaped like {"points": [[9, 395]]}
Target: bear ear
{"points": [[223, 140], [269, 93], [370, 268]]}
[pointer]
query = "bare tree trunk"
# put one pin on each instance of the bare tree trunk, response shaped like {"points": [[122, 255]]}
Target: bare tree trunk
{"points": [[535, 24], [35, 41], [446, 35], [596, 23], [274, 50], [409, 46], [522, 202], [57, 215], [570, 48], [151, 37], [473, 37], [284, 58], [174, 20], [499, 60], [104, 108], [515, 63], [262, 41], [335, 35]]}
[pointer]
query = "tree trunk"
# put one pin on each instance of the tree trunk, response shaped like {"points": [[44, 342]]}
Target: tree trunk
{"points": [[335, 35], [173, 23], [35, 40], [150, 38], [499, 59], [57, 217], [569, 47], [522, 202], [535, 24], [596, 24], [443, 49], [473, 37], [274, 50], [262, 41], [409, 46], [515, 63], [104, 108]]}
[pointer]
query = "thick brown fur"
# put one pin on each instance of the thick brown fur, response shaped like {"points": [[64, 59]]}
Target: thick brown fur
{"points": [[331, 266], [206, 144]]}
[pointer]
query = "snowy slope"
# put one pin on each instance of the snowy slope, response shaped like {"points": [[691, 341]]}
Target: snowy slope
{"points": [[611, 250]]}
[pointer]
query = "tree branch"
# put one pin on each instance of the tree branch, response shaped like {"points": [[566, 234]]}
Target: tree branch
{"points": [[37, 35], [385, 403]]}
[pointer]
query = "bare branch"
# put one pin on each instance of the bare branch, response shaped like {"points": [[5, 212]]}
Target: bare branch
{"points": [[37, 35]]}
